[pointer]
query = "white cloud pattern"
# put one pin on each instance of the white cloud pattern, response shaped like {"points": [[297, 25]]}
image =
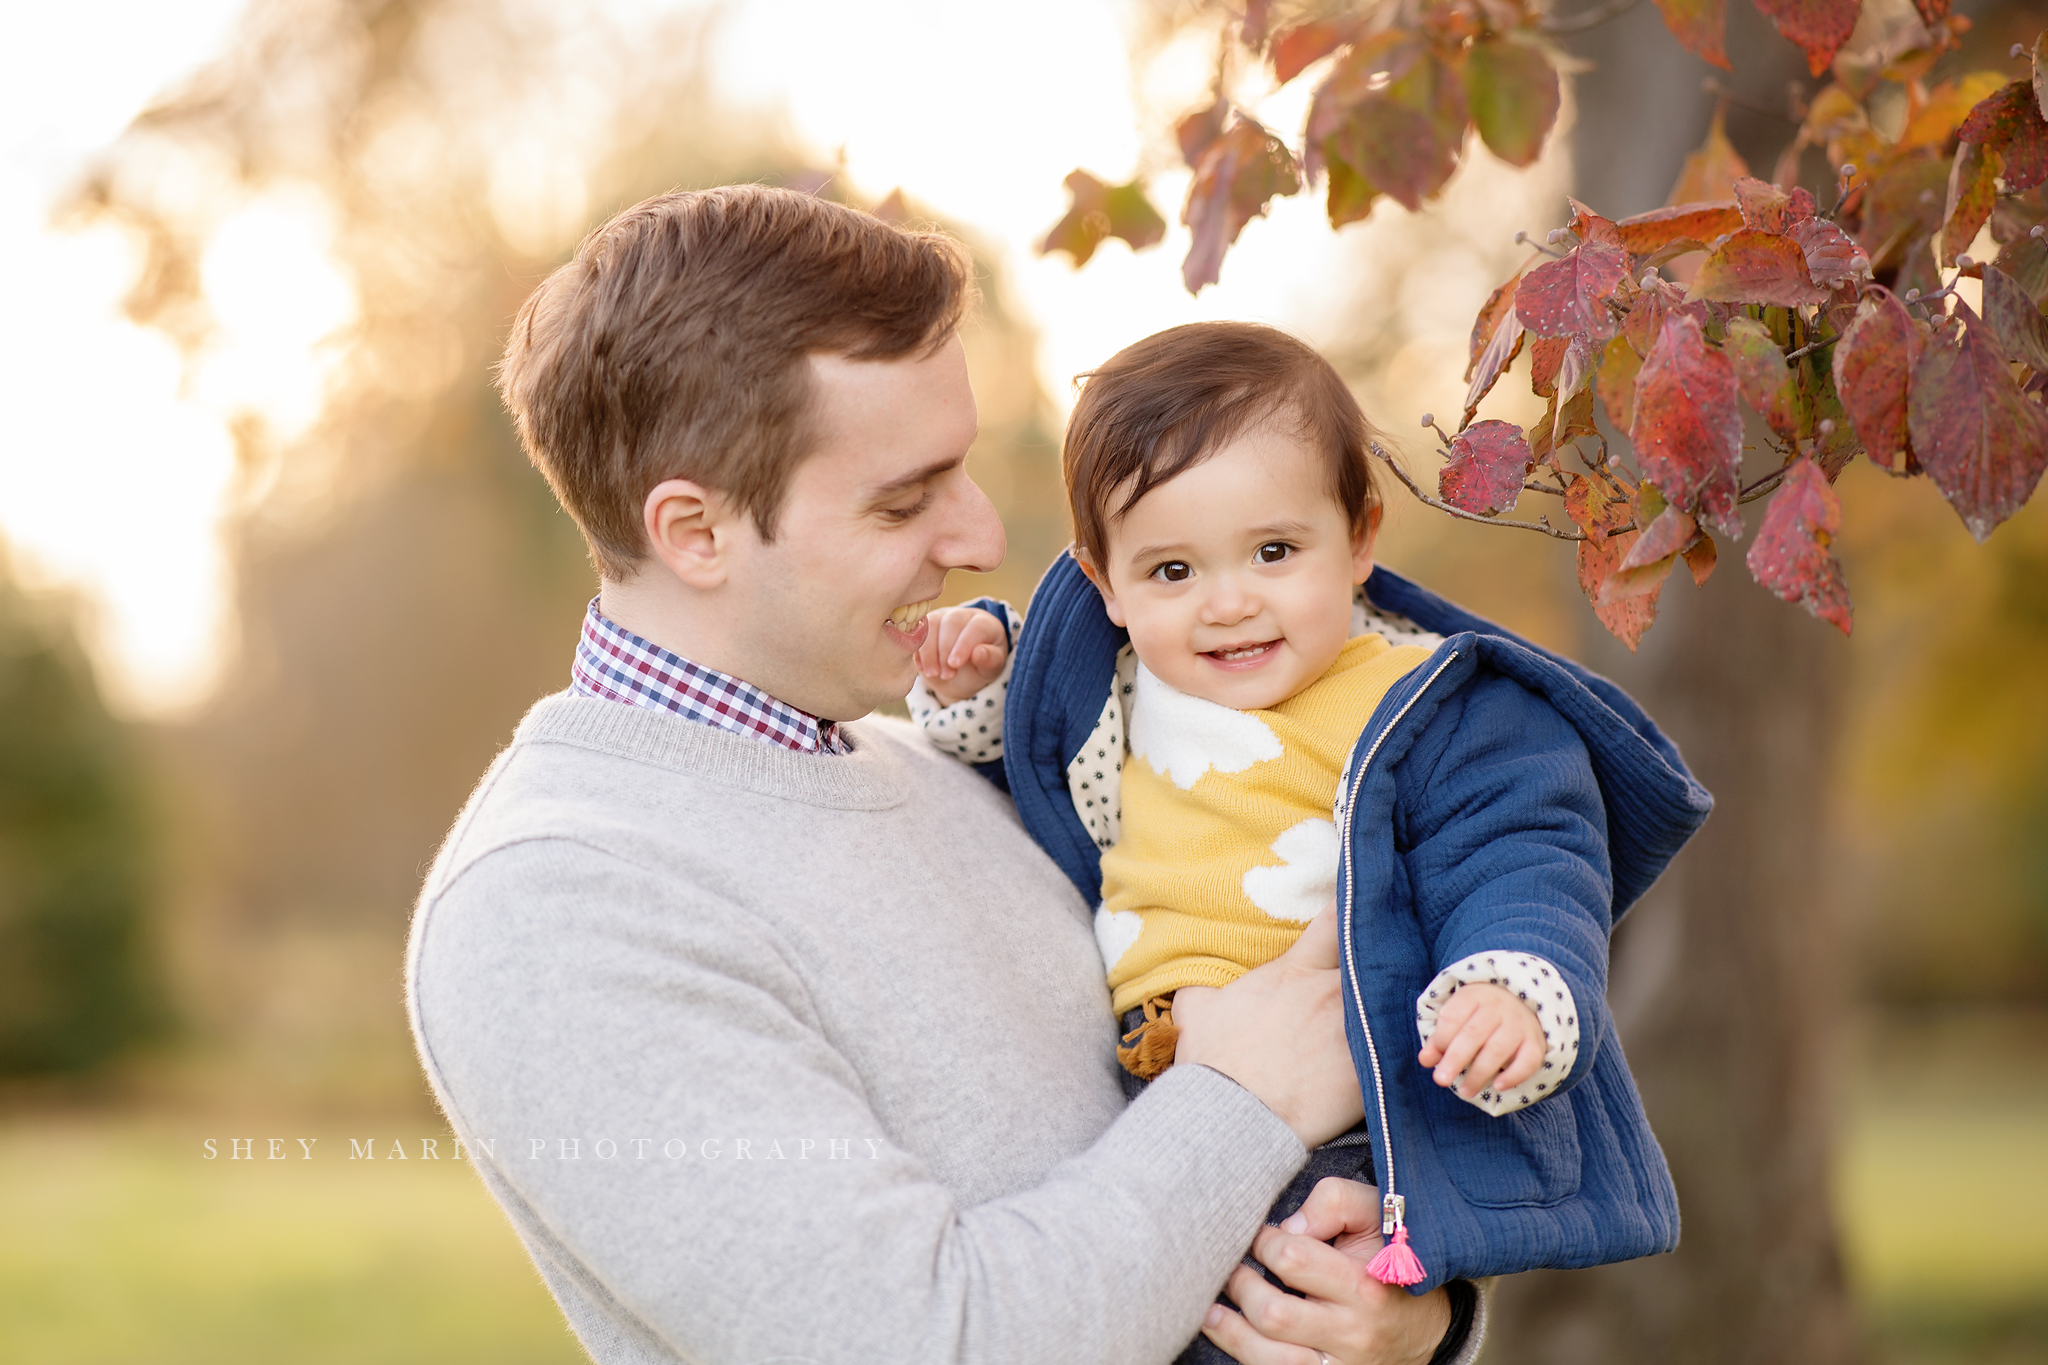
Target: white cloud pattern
{"points": [[1183, 736], [1307, 879], [1115, 932]]}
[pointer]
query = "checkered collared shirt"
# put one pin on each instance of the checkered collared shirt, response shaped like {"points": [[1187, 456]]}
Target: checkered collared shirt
{"points": [[615, 664]]}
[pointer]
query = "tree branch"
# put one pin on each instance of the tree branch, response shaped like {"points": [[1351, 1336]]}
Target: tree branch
{"points": [[1585, 19], [1541, 524]]}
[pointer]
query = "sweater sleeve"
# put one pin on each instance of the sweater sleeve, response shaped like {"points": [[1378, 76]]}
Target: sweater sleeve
{"points": [[1506, 849], [751, 1205]]}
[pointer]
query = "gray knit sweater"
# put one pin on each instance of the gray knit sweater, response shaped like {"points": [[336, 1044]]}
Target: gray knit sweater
{"points": [[781, 1057]]}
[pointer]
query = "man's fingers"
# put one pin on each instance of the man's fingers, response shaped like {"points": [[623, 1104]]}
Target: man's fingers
{"points": [[1275, 1313], [1228, 1329], [1335, 1205], [1306, 1264]]}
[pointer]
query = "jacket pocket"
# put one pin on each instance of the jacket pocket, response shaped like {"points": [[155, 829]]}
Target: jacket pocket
{"points": [[1527, 1157]]}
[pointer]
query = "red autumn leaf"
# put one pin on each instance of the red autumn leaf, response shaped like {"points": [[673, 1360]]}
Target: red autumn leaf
{"points": [[1764, 378], [1644, 233], [1488, 462], [1831, 254], [1198, 131], [2025, 258], [1765, 208], [1546, 354], [1501, 350], [1818, 26], [1100, 212], [1563, 297], [1982, 441], [1645, 320], [2040, 60], [1700, 26], [1599, 503], [1667, 534], [1902, 207], [1619, 365], [1512, 92], [1972, 190], [2009, 122], [2022, 333], [1394, 113], [1591, 227], [1756, 267], [1932, 12], [1791, 555], [1297, 48], [1626, 618], [1257, 15], [1700, 558], [1239, 174], [1491, 314], [1873, 364], [1688, 431]]}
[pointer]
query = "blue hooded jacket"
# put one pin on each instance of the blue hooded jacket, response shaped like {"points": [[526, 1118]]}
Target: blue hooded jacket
{"points": [[1500, 797]]}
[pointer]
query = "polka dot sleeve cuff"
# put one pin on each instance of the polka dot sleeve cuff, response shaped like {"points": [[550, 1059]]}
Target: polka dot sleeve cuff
{"points": [[1536, 982], [972, 728]]}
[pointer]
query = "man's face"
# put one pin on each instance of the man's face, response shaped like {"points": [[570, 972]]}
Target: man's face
{"points": [[873, 520], [1234, 577]]}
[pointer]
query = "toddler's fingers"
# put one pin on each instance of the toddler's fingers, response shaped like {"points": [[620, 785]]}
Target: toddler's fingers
{"points": [[979, 630], [1528, 1057], [987, 659], [1460, 1050], [1501, 1045], [1450, 1020]]}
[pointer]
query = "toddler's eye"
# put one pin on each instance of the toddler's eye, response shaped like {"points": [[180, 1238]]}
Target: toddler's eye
{"points": [[1273, 551], [1172, 571]]}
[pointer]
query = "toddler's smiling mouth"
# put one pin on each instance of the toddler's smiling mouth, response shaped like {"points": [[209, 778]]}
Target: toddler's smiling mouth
{"points": [[1240, 656]]}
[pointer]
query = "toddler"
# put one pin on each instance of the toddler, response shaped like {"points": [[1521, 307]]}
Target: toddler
{"points": [[1218, 728]]}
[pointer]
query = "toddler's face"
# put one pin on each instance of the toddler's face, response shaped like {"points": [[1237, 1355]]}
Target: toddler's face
{"points": [[1234, 579]]}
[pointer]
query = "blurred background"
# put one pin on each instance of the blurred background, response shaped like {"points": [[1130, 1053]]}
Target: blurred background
{"points": [[276, 582]]}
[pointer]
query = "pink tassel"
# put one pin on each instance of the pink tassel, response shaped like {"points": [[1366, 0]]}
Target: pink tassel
{"points": [[1396, 1264]]}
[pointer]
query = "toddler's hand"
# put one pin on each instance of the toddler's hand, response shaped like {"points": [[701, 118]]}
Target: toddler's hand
{"points": [[962, 653], [1488, 1033]]}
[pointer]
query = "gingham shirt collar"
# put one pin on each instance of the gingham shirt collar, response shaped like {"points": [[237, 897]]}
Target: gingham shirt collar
{"points": [[615, 664]]}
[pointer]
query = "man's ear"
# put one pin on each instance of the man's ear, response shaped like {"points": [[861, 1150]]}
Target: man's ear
{"points": [[1362, 541], [1101, 582], [690, 529]]}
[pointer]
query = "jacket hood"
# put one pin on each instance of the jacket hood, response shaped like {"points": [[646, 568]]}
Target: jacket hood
{"points": [[1065, 670]]}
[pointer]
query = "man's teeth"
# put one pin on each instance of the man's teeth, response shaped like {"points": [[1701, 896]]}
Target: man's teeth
{"points": [[906, 618]]}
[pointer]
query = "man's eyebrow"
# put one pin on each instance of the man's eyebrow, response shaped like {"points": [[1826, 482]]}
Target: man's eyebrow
{"points": [[882, 492]]}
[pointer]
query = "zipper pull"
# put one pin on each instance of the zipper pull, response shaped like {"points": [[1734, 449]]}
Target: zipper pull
{"points": [[1395, 1264]]}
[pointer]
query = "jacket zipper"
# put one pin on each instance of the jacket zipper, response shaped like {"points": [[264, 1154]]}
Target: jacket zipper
{"points": [[1393, 1208]]}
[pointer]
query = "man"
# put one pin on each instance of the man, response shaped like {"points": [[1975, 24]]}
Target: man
{"points": [[773, 1033]]}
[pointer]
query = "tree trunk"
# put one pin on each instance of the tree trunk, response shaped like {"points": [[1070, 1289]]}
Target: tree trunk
{"points": [[1726, 984]]}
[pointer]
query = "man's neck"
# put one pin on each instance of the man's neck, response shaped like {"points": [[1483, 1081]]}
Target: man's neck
{"points": [[655, 607]]}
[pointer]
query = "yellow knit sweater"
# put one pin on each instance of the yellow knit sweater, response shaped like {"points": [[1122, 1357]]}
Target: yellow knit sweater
{"points": [[1228, 847]]}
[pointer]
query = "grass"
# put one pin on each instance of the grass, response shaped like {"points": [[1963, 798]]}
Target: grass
{"points": [[122, 1244]]}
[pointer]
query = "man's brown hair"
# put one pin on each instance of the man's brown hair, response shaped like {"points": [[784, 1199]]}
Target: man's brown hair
{"points": [[675, 345], [1162, 405]]}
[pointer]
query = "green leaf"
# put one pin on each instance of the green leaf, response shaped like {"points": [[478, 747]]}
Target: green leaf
{"points": [[1512, 92], [1100, 212], [1393, 112], [1763, 376]]}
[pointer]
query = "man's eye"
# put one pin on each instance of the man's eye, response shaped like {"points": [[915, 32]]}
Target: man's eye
{"points": [[1273, 551], [1172, 571], [907, 512]]}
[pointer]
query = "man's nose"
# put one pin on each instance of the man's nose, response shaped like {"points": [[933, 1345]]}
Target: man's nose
{"points": [[972, 536]]}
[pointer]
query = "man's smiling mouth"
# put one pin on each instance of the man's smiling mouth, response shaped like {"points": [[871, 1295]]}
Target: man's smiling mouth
{"points": [[906, 619]]}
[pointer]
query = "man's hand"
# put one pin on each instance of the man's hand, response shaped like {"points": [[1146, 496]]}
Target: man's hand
{"points": [[1278, 1031], [1349, 1316], [962, 653], [1488, 1033]]}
